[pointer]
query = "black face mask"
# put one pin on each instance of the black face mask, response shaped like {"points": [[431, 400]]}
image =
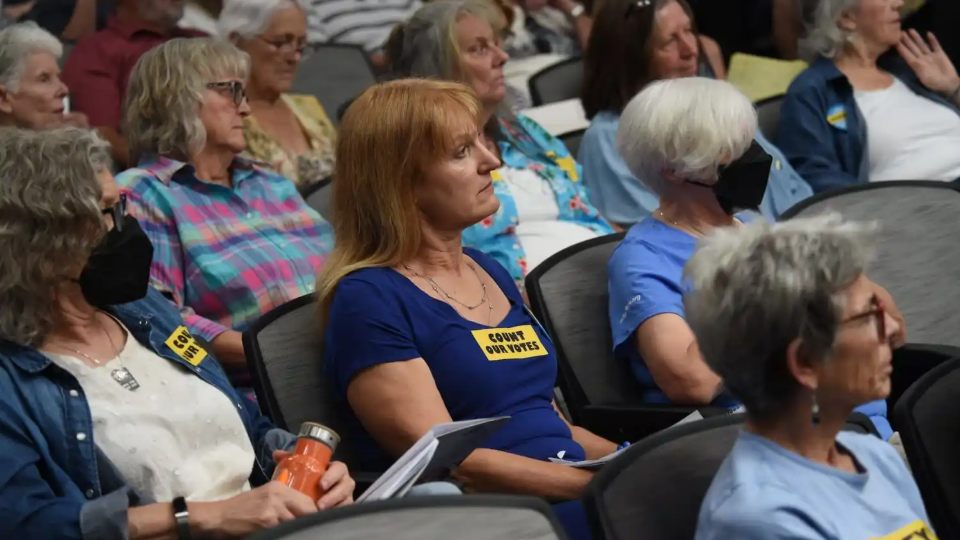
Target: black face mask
{"points": [[742, 184], [118, 270]]}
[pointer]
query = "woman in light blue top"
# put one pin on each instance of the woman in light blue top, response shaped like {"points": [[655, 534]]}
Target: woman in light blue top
{"points": [[785, 315], [634, 43], [691, 140], [544, 206]]}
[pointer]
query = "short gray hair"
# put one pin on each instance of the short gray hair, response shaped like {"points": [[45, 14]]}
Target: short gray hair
{"points": [[688, 126], [250, 18], [161, 111], [824, 37], [50, 221], [786, 278], [17, 43], [426, 45]]}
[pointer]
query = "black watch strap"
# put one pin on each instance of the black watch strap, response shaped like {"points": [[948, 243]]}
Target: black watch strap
{"points": [[182, 516]]}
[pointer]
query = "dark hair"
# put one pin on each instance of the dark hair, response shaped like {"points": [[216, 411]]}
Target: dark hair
{"points": [[617, 59]]}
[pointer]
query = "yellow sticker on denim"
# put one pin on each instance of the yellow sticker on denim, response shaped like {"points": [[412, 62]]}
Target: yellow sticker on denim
{"points": [[514, 343], [184, 346], [569, 166]]}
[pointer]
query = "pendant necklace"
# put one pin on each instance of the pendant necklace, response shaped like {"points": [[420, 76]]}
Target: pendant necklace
{"points": [[121, 376]]}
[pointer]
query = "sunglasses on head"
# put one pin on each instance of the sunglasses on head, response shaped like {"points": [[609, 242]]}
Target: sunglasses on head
{"points": [[117, 211], [237, 91]]}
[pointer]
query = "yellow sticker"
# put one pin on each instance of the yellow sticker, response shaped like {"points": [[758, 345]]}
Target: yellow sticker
{"points": [[495, 175], [183, 344], [917, 530], [569, 166], [514, 343]]}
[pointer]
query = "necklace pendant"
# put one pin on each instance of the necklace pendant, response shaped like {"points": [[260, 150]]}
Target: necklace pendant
{"points": [[125, 379]]}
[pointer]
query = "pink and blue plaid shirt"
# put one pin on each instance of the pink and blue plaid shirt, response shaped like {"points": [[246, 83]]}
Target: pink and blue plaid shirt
{"points": [[226, 256]]}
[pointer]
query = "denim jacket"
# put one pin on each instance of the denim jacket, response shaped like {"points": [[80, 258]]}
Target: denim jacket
{"points": [[54, 481], [822, 132], [526, 145]]}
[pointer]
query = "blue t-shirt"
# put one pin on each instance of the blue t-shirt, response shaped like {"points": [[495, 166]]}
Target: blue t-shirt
{"points": [[622, 198], [644, 279], [379, 316], [765, 492]]}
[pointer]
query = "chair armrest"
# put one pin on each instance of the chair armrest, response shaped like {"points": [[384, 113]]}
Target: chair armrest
{"points": [[632, 422]]}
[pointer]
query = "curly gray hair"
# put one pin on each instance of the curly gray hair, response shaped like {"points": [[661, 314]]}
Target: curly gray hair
{"points": [[161, 111], [50, 221], [787, 278], [824, 36]]}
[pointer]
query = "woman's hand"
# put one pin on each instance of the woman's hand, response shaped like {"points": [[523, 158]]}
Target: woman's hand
{"points": [[929, 62], [261, 508], [336, 483]]}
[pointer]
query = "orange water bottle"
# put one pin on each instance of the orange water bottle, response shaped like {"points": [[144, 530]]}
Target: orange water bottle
{"points": [[303, 469]]}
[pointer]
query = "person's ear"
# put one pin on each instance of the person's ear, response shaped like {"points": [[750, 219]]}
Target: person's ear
{"points": [[801, 366], [671, 176], [6, 105], [848, 21]]}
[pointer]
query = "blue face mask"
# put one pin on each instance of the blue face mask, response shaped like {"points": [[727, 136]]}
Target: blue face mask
{"points": [[742, 184]]}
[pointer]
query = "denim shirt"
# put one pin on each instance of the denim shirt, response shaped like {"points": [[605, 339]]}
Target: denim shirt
{"points": [[54, 481], [526, 145], [822, 132]]}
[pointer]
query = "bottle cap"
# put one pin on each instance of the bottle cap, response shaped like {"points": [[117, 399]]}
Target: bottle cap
{"points": [[320, 433]]}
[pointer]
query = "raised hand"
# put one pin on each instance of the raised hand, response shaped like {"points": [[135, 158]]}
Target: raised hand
{"points": [[928, 61]]}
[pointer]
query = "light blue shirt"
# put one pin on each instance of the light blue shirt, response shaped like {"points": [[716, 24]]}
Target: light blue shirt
{"points": [[765, 492], [623, 199]]}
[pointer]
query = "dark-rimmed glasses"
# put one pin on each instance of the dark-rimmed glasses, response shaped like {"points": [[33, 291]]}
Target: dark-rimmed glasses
{"points": [[117, 212], [877, 310], [237, 91]]}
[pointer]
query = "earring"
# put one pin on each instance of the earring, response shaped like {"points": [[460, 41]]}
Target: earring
{"points": [[815, 411]]}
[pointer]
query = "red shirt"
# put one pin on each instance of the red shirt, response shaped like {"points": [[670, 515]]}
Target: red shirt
{"points": [[98, 68]]}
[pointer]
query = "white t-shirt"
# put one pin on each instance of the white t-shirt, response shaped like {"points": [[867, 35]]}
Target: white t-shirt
{"points": [[909, 137], [174, 436], [539, 229]]}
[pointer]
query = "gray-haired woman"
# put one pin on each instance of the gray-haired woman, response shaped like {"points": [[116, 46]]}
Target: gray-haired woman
{"points": [[823, 348], [863, 112], [290, 132], [112, 415], [32, 95], [231, 239]]}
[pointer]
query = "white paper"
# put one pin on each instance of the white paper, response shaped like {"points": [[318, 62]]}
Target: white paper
{"points": [[589, 463], [560, 117]]}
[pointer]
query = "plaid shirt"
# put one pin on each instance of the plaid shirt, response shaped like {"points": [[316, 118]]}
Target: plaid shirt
{"points": [[226, 256]]}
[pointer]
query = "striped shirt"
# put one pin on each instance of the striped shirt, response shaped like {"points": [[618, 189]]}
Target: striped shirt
{"points": [[367, 23], [226, 255]]}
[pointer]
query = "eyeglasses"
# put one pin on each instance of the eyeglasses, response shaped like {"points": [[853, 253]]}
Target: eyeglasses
{"points": [[289, 45], [117, 212], [237, 91], [877, 310]]}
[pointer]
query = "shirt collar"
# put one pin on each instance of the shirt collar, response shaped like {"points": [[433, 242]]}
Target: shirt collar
{"points": [[164, 168], [127, 28]]}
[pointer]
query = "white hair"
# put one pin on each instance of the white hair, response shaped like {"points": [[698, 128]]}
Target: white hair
{"points": [[687, 126], [249, 18], [17, 43], [824, 36]]}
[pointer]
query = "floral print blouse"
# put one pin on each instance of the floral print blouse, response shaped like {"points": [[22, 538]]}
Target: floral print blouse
{"points": [[524, 144], [304, 169]]}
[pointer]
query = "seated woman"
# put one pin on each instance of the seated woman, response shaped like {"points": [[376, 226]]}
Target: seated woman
{"points": [[786, 316], [289, 132], [106, 425], [861, 112], [634, 44], [231, 240], [691, 141], [31, 92], [414, 318], [543, 204]]}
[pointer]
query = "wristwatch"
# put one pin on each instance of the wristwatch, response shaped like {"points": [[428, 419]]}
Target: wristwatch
{"points": [[182, 516], [577, 10]]}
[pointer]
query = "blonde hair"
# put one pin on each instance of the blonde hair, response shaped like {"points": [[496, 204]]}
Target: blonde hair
{"points": [[161, 111], [390, 135]]}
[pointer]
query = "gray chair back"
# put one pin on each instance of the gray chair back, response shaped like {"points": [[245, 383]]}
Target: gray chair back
{"points": [[654, 490], [320, 198], [768, 116], [917, 256], [284, 351], [468, 517], [558, 82], [334, 74]]}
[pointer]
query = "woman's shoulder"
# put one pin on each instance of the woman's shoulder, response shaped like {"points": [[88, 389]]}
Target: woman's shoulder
{"points": [[872, 452], [496, 270], [307, 104]]}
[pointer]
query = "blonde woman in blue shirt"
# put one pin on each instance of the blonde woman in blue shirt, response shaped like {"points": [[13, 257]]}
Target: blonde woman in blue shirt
{"points": [[544, 206]]}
